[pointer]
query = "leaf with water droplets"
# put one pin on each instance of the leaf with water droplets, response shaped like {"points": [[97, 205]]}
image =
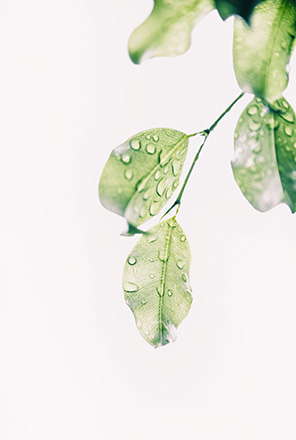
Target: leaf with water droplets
{"points": [[142, 174], [262, 51], [243, 8], [264, 162], [167, 31], [156, 282]]}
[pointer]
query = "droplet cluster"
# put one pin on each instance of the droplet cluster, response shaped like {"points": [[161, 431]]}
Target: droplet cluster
{"points": [[265, 154]]}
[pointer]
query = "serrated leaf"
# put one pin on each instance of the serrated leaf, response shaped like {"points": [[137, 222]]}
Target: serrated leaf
{"points": [[261, 53], [142, 174], [167, 31], [243, 8], [156, 282], [264, 162]]}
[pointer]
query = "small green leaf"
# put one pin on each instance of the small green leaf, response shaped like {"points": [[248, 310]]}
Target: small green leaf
{"points": [[244, 8], [264, 162], [261, 53], [142, 174], [156, 282], [167, 31]]}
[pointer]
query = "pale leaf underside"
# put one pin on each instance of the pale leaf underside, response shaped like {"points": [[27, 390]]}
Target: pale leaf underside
{"points": [[167, 31], [262, 51]]}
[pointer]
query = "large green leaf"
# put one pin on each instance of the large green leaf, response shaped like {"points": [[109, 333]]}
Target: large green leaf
{"points": [[156, 282], [244, 8], [167, 31], [264, 162], [261, 53], [142, 173]]}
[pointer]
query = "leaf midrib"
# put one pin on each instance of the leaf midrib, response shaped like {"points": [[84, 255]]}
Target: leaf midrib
{"points": [[274, 35], [143, 182], [168, 240]]}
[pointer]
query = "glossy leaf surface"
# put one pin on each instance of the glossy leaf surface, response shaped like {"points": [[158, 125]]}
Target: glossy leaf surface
{"points": [[167, 31], [264, 162], [243, 8], [261, 53], [156, 282], [142, 174]]}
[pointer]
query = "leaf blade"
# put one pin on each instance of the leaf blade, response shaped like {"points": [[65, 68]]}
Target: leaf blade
{"points": [[261, 53], [167, 31], [156, 282], [141, 175], [264, 162]]}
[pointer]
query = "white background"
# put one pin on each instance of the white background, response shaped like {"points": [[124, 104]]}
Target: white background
{"points": [[72, 363]]}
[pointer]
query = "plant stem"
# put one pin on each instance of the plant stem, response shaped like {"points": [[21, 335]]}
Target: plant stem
{"points": [[204, 133]]}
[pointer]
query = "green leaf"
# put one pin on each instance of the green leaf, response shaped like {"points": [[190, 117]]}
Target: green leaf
{"points": [[142, 174], [156, 282], [264, 162], [244, 8], [261, 53], [167, 31]]}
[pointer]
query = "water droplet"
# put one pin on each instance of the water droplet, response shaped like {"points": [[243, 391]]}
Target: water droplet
{"points": [[169, 193], [148, 137], [176, 167], [163, 255], [252, 110], [152, 276], [254, 126], [183, 238], [155, 138], [170, 292], [184, 277], [144, 302], [289, 130], [128, 175], [161, 186], [236, 135], [130, 287], [288, 116], [256, 147], [154, 207], [132, 261], [157, 175], [258, 99], [285, 104], [151, 259], [125, 158], [180, 264], [150, 148], [135, 144], [143, 212], [172, 309], [147, 194], [152, 239]]}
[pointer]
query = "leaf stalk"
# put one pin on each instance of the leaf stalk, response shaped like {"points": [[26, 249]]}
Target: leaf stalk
{"points": [[205, 133]]}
